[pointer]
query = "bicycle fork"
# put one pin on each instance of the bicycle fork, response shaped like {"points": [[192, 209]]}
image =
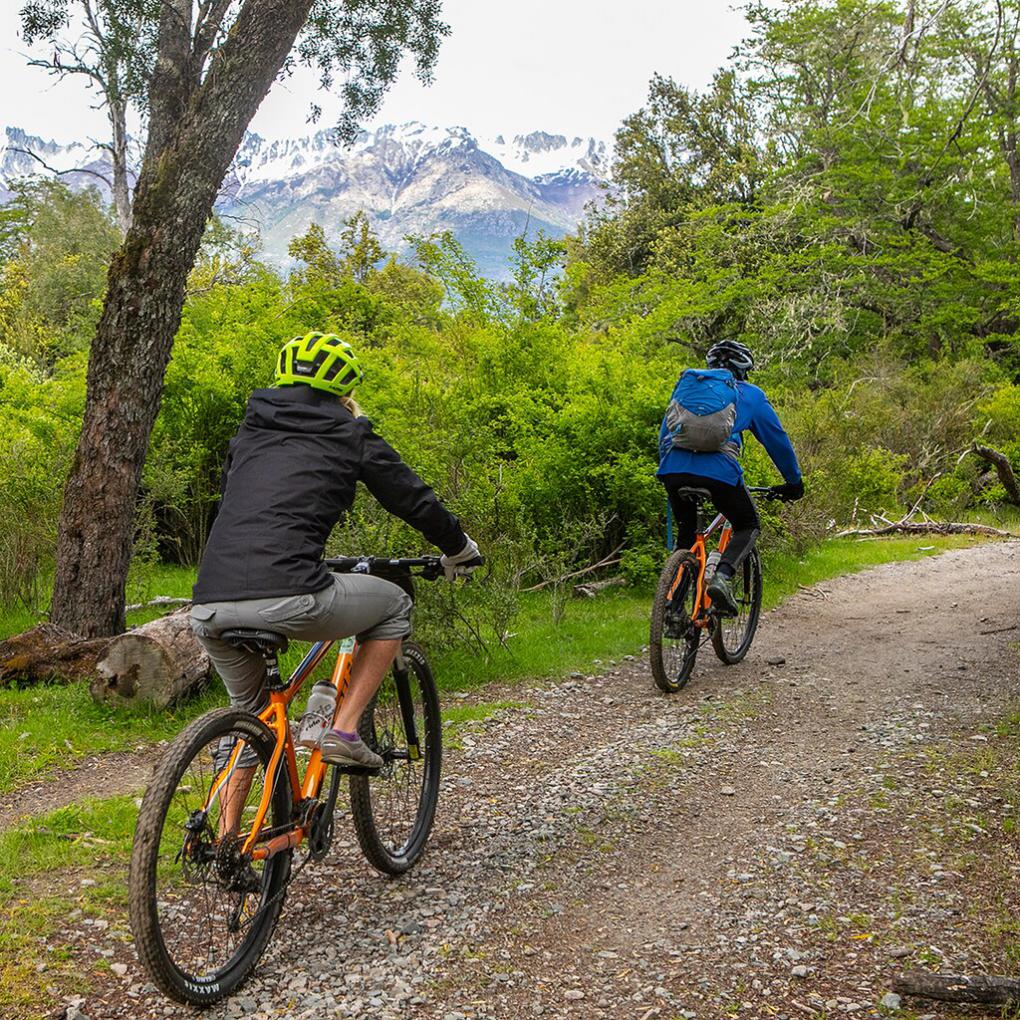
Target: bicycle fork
{"points": [[406, 702]]}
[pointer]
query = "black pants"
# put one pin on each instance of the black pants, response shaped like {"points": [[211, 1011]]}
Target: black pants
{"points": [[733, 501]]}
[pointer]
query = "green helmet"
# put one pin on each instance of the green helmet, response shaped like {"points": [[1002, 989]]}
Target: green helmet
{"points": [[322, 360]]}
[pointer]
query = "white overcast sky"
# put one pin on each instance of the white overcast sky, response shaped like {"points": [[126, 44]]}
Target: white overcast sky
{"points": [[566, 66]]}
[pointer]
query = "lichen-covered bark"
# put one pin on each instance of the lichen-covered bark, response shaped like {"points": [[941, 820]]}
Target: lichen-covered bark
{"points": [[184, 165]]}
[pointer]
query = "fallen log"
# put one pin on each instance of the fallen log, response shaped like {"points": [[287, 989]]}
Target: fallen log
{"points": [[928, 528], [159, 600], [156, 664], [1003, 469], [980, 989], [47, 654], [592, 588]]}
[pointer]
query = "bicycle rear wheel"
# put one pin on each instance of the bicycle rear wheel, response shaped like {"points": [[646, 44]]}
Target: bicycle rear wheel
{"points": [[201, 911], [732, 635], [673, 639], [393, 810]]}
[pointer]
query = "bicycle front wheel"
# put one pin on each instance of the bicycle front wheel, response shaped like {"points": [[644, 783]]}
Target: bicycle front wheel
{"points": [[393, 810], [202, 911], [732, 635], [673, 639]]}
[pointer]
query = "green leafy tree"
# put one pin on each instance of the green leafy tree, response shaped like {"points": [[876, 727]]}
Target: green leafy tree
{"points": [[58, 245], [213, 66]]}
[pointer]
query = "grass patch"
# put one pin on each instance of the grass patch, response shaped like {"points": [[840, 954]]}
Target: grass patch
{"points": [[93, 836], [83, 834], [48, 727]]}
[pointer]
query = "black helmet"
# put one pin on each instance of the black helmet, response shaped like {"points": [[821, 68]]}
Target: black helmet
{"points": [[733, 355]]}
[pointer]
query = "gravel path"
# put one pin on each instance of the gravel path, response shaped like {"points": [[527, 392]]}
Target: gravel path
{"points": [[773, 841]]}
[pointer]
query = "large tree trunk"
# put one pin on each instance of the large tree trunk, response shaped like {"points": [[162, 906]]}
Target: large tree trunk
{"points": [[185, 162], [156, 665]]}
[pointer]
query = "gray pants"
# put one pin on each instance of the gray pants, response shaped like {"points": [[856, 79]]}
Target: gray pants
{"points": [[369, 607]]}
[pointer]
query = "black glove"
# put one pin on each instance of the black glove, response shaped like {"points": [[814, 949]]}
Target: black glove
{"points": [[789, 492]]}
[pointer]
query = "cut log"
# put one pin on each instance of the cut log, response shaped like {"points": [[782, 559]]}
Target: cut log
{"points": [[157, 664], [929, 528], [981, 988], [592, 588], [47, 654]]}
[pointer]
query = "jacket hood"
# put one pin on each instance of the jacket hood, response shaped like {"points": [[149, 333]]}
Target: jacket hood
{"points": [[296, 409]]}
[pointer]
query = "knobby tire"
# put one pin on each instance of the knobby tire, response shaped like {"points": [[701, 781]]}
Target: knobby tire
{"points": [[672, 654], [173, 976], [393, 810]]}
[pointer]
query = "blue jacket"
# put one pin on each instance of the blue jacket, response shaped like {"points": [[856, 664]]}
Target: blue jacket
{"points": [[754, 412]]}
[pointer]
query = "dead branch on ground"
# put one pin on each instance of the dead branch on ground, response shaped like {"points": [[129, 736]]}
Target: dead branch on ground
{"points": [[981, 989]]}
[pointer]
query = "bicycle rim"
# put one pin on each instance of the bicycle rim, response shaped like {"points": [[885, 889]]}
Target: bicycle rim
{"points": [[201, 911], [673, 638], [732, 635], [393, 810]]}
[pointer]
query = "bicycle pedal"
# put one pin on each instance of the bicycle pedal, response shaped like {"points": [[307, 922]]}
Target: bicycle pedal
{"points": [[356, 770]]}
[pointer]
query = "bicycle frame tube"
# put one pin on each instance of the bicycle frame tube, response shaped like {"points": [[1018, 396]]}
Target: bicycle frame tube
{"points": [[699, 549], [341, 680], [275, 717]]}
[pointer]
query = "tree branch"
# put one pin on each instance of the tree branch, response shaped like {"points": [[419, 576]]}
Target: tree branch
{"points": [[207, 26], [62, 173], [982, 989], [1003, 469]]}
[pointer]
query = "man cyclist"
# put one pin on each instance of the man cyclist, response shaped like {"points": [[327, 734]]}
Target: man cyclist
{"points": [[721, 474], [291, 472]]}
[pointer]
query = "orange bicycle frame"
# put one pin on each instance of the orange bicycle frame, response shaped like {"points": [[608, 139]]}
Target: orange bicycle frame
{"points": [[275, 717], [702, 602]]}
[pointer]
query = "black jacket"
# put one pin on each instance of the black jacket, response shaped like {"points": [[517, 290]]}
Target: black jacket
{"points": [[290, 472]]}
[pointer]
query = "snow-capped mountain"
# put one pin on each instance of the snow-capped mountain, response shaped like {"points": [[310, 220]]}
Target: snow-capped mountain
{"points": [[408, 178]]}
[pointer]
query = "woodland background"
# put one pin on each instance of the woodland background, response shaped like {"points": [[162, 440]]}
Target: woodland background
{"points": [[845, 198]]}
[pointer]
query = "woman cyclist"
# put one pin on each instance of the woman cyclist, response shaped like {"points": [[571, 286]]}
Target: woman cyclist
{"points": [[721, 474], [291, 472]]}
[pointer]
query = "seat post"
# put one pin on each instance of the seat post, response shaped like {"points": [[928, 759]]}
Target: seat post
{"points": [[273, 678]]}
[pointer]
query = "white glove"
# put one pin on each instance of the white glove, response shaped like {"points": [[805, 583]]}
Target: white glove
{"points": [[457, 565]]}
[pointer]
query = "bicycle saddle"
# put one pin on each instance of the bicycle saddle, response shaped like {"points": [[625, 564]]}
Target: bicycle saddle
{"points": [[263, 641], [691, 492]]}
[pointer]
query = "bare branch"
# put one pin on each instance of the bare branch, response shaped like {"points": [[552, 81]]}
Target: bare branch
{"points": [[62, 173]]}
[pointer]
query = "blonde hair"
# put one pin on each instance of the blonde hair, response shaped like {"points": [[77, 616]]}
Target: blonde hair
{"points": [[352, 405]]}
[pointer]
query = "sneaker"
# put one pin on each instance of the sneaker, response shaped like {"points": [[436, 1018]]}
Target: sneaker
{"points": [[720, 592], [338, 750]]}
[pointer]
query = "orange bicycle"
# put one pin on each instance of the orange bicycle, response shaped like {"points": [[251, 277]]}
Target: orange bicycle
{"points": [[682, 613], [228, 809]]}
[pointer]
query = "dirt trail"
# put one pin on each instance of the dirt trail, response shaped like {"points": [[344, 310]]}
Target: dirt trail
{"points": [[771, 841], [99, 775]]}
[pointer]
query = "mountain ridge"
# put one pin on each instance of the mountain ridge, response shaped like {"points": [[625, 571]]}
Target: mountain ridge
{"points": [[409, 178]]}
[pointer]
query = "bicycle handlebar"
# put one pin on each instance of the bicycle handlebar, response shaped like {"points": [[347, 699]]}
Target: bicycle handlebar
{"points": [[766, 492], [429, 568]]}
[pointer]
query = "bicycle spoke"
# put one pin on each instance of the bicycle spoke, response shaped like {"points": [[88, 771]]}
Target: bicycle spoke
{"points": [[203, 903]]}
